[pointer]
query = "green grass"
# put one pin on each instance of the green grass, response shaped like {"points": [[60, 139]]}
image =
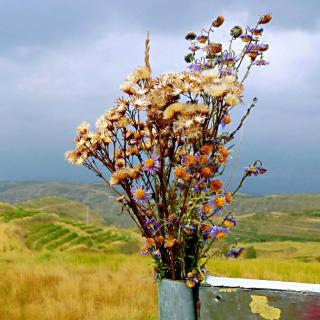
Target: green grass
{"points": [[61, 241], [277, 226], [17, 213], [50, 237]]}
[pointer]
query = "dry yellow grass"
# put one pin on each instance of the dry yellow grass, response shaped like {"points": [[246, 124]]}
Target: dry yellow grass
{"points": [[66, 286], [117, 288], [267, 269]]}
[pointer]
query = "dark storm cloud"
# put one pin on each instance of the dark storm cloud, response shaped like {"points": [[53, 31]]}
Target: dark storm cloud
{"points": [[45, 23], [61, 62]]}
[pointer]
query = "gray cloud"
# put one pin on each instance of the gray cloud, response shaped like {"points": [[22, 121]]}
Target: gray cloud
{"points": [[62, 62]]}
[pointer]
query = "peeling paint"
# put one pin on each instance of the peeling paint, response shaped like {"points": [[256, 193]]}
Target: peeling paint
{"points": [[228, 290], [259, 304]]}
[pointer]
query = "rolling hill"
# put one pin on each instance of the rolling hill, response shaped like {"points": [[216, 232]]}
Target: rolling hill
{"points": [[96, 196], [261, 218], [25, 229]]}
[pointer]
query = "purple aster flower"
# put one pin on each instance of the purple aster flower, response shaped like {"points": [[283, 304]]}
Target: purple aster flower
{"points": [[213, 232], [200, 187], [261, 62], [152, 225], [217, 232], [144, 252], [256, 31], [257, 47], [262, 170], [229, 222], [227, 71], [140, 194], [229, 58], [156, 254], [194, 48], [202, 38], [205, 209], [195, 67], [252, 53], [152, 165], [235, 253], [189, 230], [253, 170], [246, 37], [264, 47]]}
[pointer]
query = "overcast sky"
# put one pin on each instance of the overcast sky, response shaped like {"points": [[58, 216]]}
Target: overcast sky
{"points": [[61, 62]]}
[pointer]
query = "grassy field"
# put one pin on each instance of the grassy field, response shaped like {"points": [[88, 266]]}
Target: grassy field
{"points": [[56, 266], [92, 286]]}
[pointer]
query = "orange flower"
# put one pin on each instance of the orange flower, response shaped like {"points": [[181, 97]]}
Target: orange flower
{"points": [[160, 239], [202, 159], [206, 149], [180, 172], [190, 160], [190, 283], [216, 185], [224, 152], [220, 202], [206, 172], [228, 197], [202, 39], [118, 154], [149, 163], [123, 174], [206, 208], [149, 213], [220, 235], [133, 173], [170, 242], [138, 135], [120, 163], [214, 48], [150, 242], [227, 119], [205, 227], [188, 178]]}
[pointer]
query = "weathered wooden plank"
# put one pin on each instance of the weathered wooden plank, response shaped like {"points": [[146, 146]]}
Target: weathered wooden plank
{"points": [[247, 299]]}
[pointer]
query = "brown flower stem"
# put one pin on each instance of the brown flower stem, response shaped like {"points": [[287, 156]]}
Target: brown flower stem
{"points": [[173, 273], [254, 101]]}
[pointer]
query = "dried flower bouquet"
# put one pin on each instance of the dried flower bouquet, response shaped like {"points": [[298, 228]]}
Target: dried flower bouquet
{"points": [[164, 147]]}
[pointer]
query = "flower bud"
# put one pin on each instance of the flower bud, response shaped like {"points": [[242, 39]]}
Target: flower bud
{"points": [[236, 32], [190, 36], [189, 58], [265, 19], [218, 22]]}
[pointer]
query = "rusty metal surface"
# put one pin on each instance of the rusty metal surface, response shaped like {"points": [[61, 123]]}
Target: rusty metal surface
{"points": [[221, 303]]}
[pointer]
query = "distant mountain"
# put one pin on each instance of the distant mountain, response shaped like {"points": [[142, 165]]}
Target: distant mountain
{"points": [[279, 216], [278, 203]]}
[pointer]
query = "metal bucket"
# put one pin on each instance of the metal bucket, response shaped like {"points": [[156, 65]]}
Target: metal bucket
{"points": [[175, 301]]}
